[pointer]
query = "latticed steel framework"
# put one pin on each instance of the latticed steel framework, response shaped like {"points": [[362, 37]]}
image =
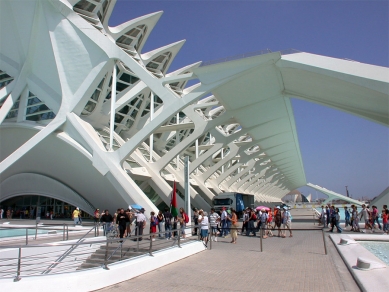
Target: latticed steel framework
{"points": [[63, 71]]}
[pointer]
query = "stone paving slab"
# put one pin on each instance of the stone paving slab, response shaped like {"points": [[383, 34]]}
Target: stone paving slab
{"points": [[286, 264]]}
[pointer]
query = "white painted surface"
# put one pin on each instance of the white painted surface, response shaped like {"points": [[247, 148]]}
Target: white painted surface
{"points": [[98, 277], [376, 279]]}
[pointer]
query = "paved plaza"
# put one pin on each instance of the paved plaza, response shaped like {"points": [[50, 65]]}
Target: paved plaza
{"points": [[298, 263]]}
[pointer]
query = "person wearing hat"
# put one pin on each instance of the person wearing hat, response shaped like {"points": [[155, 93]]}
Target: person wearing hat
{"points": [[287, 222], [278, 220], [140, 224], [75, 216]]}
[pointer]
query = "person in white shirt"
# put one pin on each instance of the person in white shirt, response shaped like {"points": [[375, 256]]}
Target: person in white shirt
{"points": [[203, 221], [214, 219], [287, 222], [140, 223], [223, 220]]}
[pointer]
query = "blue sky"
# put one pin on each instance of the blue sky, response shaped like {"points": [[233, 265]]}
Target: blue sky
{"points": [[338, 149]]}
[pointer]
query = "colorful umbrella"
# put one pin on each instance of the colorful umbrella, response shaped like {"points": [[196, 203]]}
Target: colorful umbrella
{"points": [[259, 208]]}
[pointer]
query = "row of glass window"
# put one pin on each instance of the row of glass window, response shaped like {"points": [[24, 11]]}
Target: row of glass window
{"points": [[36, 110]]}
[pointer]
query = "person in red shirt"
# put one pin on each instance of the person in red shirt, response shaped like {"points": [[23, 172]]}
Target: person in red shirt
{"points": [[385, 217]]}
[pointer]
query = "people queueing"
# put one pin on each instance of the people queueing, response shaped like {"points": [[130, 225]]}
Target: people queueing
{"points": [[203, 221], [141, 221], [121, 220], [214, 220], [107, 221], [287, 222], [336, 220], [168, 223], [161, 221], [278, 220]]}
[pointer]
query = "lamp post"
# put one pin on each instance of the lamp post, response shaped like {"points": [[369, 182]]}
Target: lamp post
{"points": [[347, 192]]}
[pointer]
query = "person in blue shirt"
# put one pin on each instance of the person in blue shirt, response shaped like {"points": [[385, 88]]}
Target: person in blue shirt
{"points": [[346, 217]]}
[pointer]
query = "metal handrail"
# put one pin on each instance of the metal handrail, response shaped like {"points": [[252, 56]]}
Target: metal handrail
{"points": [[29, 260], [66, 253], [44, 227]]}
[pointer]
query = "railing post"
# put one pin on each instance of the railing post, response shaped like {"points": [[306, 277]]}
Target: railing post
{"points": [[179, 236], [151, 246], [198, 233], [324, 241], [18, 278], [67, 232], [210, 238], [106, 256], [63, 233], [121, 250], [26, 236], [137, 238], [36, 230], [260, 237]]}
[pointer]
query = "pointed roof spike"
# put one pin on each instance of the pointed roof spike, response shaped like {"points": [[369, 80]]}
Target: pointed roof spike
{"points": [[150, 20], [184, 69], [173, 48]]}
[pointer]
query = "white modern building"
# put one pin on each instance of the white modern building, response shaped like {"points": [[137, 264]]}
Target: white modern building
{"points": [[88, 119]]}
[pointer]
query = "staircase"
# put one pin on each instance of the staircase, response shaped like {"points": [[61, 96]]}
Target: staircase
{"points": [[128, 250]]}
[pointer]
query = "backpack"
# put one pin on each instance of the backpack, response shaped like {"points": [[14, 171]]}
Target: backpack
{"points": [[154, 222], [186, 217]]}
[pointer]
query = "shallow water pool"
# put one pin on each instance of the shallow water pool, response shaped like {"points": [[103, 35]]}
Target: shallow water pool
{"points": [[378, 248], [18, 232]]}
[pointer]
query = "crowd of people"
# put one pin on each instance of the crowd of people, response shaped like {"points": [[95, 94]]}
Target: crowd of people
{"points": [[123, 220], [225, 223], [222, 224], [330, 217]]}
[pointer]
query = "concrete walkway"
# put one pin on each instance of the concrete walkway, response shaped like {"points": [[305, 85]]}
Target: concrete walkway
{"points": [[295, 263]]}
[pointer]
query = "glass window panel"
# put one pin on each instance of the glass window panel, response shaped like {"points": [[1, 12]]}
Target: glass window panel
{"points": [[105, 4], [128, 78], [33, 100], [47, 116], [85, 5], [30, 94], [35, 109], [90, 106], [133, 32], [152, 65], [95, 95], [129, 123], [15, 105], [121, 86], [159, 59], [99, 15], [124, 110], [34, 200], [133, 114], [124, 40], [101, 83], [118, 118], [12, 114]]}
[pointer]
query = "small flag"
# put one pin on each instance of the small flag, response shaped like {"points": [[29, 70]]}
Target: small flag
{"points": [[173, 203]]}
